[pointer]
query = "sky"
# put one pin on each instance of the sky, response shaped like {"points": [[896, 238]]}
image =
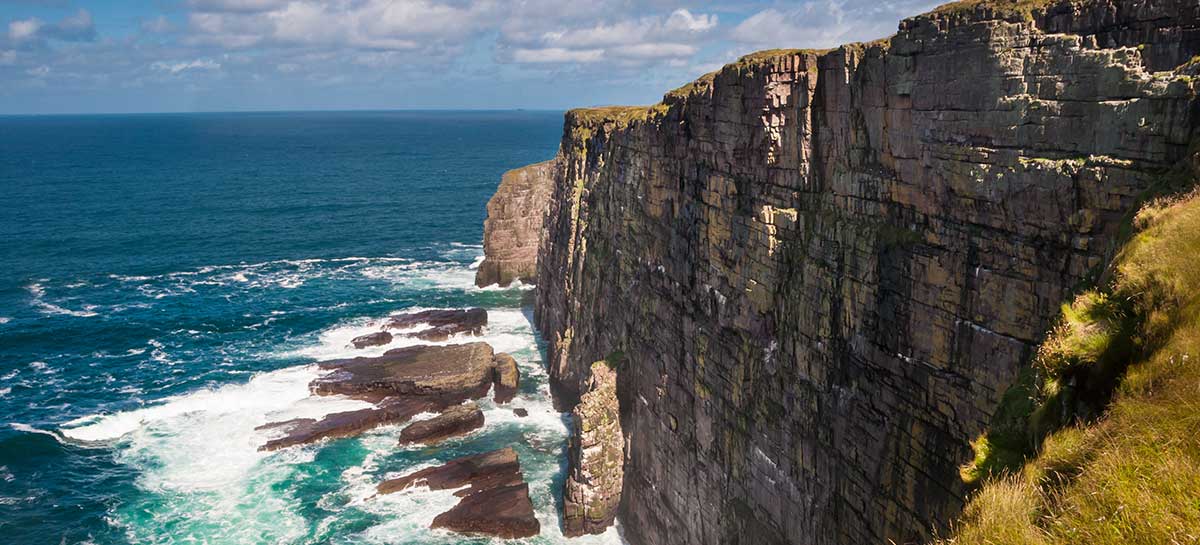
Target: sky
{"points": [[119, 56]]}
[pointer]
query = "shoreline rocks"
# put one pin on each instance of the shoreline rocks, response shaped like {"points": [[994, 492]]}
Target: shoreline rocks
{"points": [[378, 338], [453, 422], [506, 377], [495, 503], [439, 325]]}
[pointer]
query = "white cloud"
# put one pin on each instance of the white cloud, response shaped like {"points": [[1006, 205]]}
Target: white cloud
{"points": [[827, 24], [557, 55], [181, 66], [158, 25], [641, 39], [39, 71], [19, 31], [8, 57]]}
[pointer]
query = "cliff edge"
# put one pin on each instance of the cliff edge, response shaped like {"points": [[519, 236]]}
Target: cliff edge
{"points": [[824, 268]]}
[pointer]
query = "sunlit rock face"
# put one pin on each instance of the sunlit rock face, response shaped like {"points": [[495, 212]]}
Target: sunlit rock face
{"points": [[512, 231], [823, 268]]}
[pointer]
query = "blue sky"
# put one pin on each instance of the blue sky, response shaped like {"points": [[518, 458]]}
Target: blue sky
{"points": [[67, 56]]}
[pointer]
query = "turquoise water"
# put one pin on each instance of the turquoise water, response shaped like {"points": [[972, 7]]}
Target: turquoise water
{"points": [[169, 281]]}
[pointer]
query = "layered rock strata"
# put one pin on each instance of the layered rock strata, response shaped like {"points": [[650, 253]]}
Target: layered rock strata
{"points": [[512, 231], [495, 500], [453, 422], [439, 325], [402, 383], [825, 267], [595, 457], [507, 377]]}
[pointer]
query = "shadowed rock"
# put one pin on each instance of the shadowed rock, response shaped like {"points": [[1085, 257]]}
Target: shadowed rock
{"points": [[378, 338], [455, 421], [496, 502], [439, 325], [345, 424], [520, 412], [506, 377]]}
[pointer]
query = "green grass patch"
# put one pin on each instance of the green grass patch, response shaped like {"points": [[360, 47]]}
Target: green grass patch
{"points": [[1063, 464]]}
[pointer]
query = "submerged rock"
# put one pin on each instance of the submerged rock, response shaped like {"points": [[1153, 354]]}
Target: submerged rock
{"points": [[506, 377], [455, 421], [496, 501], [596, 457], [378, 338], [439, 325]]}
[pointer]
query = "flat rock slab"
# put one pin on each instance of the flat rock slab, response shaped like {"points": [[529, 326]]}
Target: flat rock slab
{"points": [[496, 502], [439, 325], [455, 372], [302, 431], [455, 421]]}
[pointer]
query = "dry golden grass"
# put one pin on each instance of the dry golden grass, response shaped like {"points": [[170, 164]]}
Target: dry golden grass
{"points": [[1131, 476]]}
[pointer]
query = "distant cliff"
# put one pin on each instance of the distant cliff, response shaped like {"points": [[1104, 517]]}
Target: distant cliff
{"points": [[822, 269], [512, 231]]}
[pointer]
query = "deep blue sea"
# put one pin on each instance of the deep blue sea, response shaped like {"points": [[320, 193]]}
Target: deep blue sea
{"points": [[168, 282]]}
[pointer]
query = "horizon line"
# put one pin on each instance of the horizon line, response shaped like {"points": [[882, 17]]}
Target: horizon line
{"points": [[284, 111]]}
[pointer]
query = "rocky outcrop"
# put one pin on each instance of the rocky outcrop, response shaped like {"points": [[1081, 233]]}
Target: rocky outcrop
{"points": [[439, 325], [453, 372], [507, 377], [378, 338], [825, 267], [402, 383], [596, 457], [495, 501], [453, 422], [512, 231]]}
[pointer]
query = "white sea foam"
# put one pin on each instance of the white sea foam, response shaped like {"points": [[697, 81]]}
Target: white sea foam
{"points": [[5, 320], [30, 429], [5, 391], [38, 300]]}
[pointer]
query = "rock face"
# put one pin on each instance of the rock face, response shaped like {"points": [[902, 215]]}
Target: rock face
{"points": [[512, 231], [439, 325], [507, 377], [596, 457], [378, 338], [496, 502], [455, 421], [825, 267]]}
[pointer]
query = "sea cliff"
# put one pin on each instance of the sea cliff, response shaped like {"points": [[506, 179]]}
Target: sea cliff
{"points": [[815, 273]]}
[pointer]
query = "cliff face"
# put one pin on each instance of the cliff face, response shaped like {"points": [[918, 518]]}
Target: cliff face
{"points": [[513, 228], [823, 268]]}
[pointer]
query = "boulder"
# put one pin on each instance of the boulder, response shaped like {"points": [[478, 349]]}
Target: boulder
{"points": [[506, 377], [439, 325], [495, 501], [520, 412], [378, 338], [455, 421]]}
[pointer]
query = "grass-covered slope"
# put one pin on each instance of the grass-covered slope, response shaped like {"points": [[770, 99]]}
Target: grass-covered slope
{"points": [[1099, 442]]}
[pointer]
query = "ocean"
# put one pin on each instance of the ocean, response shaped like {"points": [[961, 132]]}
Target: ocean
{"points": [[170, 280]]}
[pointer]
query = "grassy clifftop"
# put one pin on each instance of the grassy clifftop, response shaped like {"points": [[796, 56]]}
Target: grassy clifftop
{"points": [[1099, 442]]}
